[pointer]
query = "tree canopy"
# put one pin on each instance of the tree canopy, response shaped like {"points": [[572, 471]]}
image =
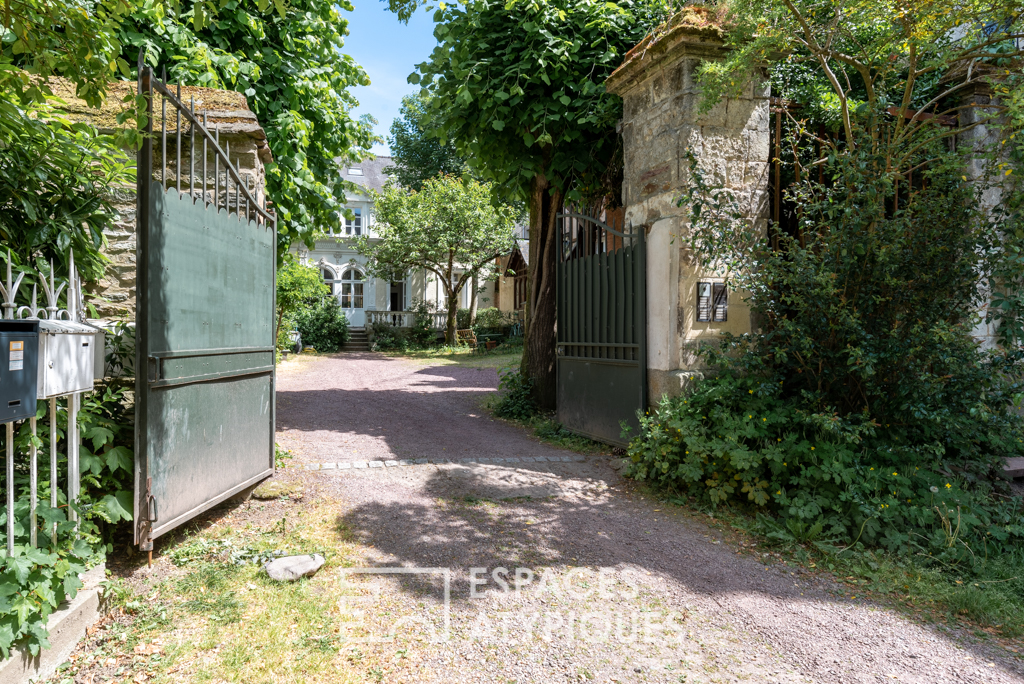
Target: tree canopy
{"points": [[450, 228], [518, 86], [893, 72], [419, 155], [288, 62]]}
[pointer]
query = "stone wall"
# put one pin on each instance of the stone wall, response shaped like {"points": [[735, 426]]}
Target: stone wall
{"points": [[661, 121], [114, 294]]}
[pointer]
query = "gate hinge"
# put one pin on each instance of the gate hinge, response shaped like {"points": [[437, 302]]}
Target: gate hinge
{"points": [[153, 368], [151, 516]]}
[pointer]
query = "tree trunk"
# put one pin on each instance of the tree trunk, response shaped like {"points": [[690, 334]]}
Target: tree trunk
{"points": [[453, 312], [539, 334], [474, 292]]}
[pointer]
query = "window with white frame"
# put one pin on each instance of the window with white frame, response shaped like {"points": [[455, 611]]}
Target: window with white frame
{"points": [[329, 278], [354, 225], [355, 171], [352, 281]]}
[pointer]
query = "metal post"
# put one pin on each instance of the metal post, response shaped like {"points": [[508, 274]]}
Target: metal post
{"points": [[216, 169], [163, 143], [10, 489], [33, 485], [177, 137], [192, 154], [227, 176], [204, 162], [238, 194], [73, 469], [54, 485]]}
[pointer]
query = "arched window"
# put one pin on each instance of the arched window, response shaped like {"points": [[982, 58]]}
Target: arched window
{"points": [[330, 278], [352, 288]]}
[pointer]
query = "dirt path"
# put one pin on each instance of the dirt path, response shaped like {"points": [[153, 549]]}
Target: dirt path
{"points": [[631, 592]]}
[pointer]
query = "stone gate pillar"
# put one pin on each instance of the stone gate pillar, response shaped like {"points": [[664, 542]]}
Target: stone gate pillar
{"points": [[657, 83]]}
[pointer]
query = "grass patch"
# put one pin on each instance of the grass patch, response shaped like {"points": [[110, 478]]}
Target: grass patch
{"points": [[216, 616]]}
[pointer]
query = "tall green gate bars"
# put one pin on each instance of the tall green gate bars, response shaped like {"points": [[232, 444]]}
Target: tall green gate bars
{"points": [[602, 324], [207, 248]]}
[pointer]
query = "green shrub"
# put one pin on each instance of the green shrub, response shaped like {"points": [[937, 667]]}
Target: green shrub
{"points": [[516, 401], [389, 338], [322, 325], [862, 408], [488, 321], [422, 333]]}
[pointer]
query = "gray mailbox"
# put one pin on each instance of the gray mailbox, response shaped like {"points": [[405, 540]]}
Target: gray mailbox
{"points": [[67, 358], [19, 349]]}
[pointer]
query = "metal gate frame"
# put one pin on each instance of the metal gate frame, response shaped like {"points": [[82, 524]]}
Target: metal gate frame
{"points": [[601, 292], [238, 208]]}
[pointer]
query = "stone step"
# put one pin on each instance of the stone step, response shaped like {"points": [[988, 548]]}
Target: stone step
{"points": [[1014, 468]]}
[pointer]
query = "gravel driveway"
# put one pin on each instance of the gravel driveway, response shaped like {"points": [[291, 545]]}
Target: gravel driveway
{"points": [[612, 587]]}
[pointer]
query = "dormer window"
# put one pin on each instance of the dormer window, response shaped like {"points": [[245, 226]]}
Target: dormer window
{"points": [[355, 171]]}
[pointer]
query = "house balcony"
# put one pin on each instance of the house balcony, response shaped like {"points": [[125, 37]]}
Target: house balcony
{"points": [[405, 319]]}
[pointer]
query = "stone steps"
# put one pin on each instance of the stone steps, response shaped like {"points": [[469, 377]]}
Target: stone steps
{"points": [[358, 341]]}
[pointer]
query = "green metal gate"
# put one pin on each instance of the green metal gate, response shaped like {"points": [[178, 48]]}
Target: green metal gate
{"points": [[205, 321], [602, 323]]}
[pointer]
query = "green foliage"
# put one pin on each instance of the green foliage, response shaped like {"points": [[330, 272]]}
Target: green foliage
{"points": [[848, 64], [33, 582], [488, 321], [55, 181], [322, 325], [421, 335], [519, 87], [516, 401], [738, 438], [297, 285], [418, 155], [450, 223], [862, 409], [76, 40], [287, 61]]}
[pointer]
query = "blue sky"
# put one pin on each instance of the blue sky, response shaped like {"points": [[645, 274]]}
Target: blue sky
{"points": [[388, 50]]}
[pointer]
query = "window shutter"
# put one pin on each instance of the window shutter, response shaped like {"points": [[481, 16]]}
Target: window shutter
{"points": [[721, 302], [703, 302]]}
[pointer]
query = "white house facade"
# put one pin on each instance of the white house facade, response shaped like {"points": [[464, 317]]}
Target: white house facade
{"points": [[344, 269]]}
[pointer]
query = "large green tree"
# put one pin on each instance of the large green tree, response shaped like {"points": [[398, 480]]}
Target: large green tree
{"points": [[55, 174], [450, 228], [518, 85], [417, 154], [287, 60]]}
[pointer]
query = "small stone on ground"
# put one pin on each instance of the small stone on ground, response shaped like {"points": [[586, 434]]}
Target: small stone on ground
{"points": [[291, 568]]}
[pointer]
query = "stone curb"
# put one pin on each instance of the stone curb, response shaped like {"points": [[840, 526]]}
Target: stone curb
{"points": [[67, 625], [404, 463]]}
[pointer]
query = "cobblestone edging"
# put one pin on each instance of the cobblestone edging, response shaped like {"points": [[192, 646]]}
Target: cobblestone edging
{"points": [[361, 465]]}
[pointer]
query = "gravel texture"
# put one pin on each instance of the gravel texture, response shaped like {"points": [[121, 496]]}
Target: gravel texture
{"points": [[726, 614]]}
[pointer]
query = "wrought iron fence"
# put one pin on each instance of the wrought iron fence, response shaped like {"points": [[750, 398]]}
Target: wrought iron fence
{"points": [[52, 289], [227, 188]]}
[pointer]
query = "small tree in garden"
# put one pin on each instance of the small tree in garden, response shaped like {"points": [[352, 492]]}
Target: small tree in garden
{"points": [[298, 285], [450, 228], [519, 87]]}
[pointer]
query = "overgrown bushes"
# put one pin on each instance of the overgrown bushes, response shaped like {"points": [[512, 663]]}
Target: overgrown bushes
{"points": [[862, 409], [420, 335], [322, 325], [516, 400]]}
